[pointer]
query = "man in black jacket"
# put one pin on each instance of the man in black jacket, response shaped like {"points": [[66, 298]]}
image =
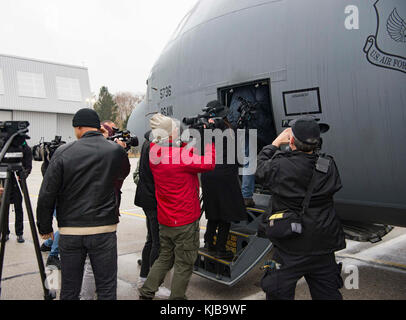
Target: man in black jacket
{"points": [[310, 254], [80, 183]]}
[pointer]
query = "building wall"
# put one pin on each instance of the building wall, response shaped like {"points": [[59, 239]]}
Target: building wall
{"points": [[57, 88], [43, 93]]}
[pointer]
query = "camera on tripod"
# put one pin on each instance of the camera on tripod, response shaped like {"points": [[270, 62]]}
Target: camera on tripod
{"points": [[126, 137], [214, 110], [12, 136], [247, 112], [45, 150]]}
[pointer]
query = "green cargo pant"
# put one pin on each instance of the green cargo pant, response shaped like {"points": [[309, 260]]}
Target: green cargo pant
{"points": [[179, 247]]}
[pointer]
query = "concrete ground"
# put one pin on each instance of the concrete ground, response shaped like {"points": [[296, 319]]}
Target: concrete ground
{"points": [[381, 267]]}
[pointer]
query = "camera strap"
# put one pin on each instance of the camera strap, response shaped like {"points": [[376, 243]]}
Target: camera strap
{"points": [[322, 165], [309, 192]]}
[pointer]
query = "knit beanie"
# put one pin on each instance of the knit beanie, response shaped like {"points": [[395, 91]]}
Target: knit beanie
{"points": [[86, 118]]}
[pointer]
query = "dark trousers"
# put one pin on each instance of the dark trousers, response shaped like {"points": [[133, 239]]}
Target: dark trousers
{"points": [[322, 274], [151, 248], [222, 234], [17, 199], [102, 251]]}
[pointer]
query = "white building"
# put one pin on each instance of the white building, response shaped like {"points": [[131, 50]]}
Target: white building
{"points": [[44, 93]]}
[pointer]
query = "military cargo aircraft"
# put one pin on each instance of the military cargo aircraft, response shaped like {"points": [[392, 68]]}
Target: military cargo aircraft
{"points": [[342, 61]]}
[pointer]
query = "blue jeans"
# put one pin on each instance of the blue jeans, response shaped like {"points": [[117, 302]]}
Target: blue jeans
{"points": [[248, 181], [53, 244]]}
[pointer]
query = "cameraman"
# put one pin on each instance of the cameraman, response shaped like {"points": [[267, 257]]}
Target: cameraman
{"points": [[311, 253], [223, 201], [15, 196], [175, 170]]}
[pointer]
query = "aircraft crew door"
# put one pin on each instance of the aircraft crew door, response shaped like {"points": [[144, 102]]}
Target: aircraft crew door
{"points": [[258, 93]]}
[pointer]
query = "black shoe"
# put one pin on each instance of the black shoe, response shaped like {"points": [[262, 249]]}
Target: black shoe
{"points": [[45, 248], [20, 239], [249, 202], [226, 255], [54, 261]]}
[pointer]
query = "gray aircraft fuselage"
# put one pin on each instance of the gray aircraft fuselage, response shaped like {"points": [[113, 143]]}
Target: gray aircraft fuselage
{"points": [[343, 61]]}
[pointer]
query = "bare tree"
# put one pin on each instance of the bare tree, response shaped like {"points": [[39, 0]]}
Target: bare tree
{"points": [[126, 102]]}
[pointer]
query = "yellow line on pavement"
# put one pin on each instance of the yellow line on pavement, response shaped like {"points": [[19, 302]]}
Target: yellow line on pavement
{"points": [[143, 216]]}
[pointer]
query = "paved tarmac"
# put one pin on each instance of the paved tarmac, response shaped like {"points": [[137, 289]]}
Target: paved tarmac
{"points": [[381, 267]]}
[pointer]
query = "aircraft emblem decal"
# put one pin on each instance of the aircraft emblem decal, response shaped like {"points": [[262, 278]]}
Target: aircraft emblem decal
{"points": [[396, 27], [387, 48]]}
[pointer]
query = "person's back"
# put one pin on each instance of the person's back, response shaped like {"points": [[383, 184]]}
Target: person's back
{"points": [[288, 183], [177, 183], [315, 234], [90, 167]]}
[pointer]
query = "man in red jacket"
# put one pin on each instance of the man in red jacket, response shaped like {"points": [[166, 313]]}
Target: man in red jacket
{"points": [[175, 169]]}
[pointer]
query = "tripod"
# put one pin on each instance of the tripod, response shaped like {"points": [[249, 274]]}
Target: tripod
{"points": [[7, 171]]}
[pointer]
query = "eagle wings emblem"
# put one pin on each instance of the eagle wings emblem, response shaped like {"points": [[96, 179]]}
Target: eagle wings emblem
{"points": [[396, 27]]}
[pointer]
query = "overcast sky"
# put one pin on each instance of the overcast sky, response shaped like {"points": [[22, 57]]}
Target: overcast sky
{"points": [[118, 40]]}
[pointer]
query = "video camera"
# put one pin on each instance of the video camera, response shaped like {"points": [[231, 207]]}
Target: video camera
{"points": [[247, 111], [126, 137], [45, 150], [213, 111], [12, 136]]}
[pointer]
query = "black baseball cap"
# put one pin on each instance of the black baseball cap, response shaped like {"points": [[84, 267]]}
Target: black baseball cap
{"points": [[306, 130], [86, 118]]}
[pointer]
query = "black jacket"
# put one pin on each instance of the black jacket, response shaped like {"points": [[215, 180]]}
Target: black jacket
{"points": [[221, 187], [80, 181], [145, 194], [288, 176]]}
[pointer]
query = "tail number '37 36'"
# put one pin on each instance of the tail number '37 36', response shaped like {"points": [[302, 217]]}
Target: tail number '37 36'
{"points": [[165, 92]]}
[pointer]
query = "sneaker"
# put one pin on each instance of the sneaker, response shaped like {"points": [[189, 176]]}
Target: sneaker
{"points": [[141, 282], [163, 293], [249, 202], [45, 248], [20, 239], [54, 261], [226, 255]]}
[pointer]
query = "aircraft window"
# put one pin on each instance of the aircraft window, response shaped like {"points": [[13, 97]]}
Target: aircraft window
{"points": [[306, 101]]}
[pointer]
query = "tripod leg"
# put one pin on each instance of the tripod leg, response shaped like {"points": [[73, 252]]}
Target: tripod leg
{"points": [[4, 211], [48, 295]]}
